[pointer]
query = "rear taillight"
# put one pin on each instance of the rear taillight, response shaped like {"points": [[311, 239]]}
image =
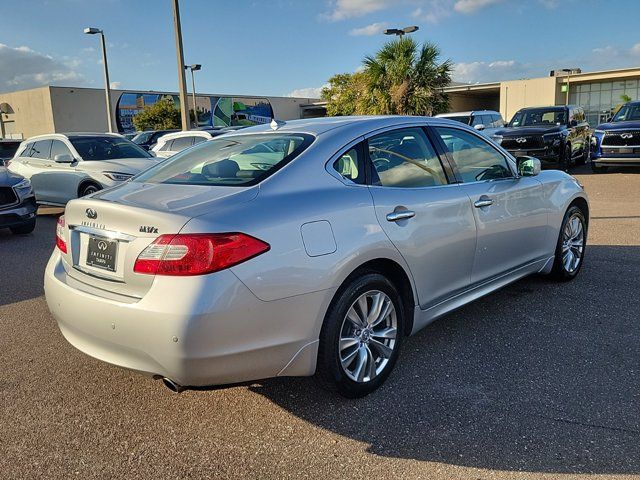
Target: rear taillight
{"points": [[60, 243], [197, 254]]}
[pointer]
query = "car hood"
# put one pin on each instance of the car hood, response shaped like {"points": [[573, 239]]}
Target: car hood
{"points": [[187, 200], [9, 179], [517, 131], [122, 165], [633, 124]]}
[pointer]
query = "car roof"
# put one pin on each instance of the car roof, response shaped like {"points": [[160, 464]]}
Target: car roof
{"points": [[355, 125], [186, 133], [62, 136], [470, 112]]}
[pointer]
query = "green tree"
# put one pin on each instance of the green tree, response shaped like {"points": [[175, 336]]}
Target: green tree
{"points": [[162, 115], [402, 78]]}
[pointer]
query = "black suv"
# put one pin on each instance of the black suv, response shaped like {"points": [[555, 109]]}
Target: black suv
{"points": [[558, 136]]}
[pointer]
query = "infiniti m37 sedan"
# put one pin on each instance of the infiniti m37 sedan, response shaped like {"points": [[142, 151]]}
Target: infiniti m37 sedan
{"points": [[311, 247]]}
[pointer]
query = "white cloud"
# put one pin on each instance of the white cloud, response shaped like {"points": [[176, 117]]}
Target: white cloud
{"points": [[471, 6], [369, 30], [479, 72], [343, 9], [21, 68], [308, 92]]}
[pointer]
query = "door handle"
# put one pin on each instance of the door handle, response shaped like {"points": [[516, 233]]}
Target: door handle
{"points": [[400, 215], [483, 201]]}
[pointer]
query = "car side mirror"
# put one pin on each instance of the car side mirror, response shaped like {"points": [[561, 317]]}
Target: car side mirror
{"points": [[63, 158], [528, 166], [479, 127]]}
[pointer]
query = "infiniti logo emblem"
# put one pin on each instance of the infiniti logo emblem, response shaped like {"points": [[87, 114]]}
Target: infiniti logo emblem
{"points": [[91, 213], [521, 139], [102, 245], [626, 135]]}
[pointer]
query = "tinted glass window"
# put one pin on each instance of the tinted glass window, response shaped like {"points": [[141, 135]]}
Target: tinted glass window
{"points": [[405, 158], [475, 158], [181, 143], [539, 116], [106, 148], [229, 161], [26, 151], [497, 120], [350, 166], [477, 120], [41, 149], [59, 148], [199, 140], [167, 146]]}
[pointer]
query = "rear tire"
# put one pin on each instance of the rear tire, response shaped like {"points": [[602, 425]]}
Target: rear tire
{"points": [[25, 228], [571, 246], [361, 336], [88, 189]]}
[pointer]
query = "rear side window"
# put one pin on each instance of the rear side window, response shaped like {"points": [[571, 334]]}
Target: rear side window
{"points": [[475, 158], [351, 166], [181, 143], [40, 149], [405, 158], [238, 160]]}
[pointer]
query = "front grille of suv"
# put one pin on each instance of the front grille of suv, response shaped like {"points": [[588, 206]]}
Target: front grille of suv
{"points": [[7, 197], [621, 138], [529, 142]]}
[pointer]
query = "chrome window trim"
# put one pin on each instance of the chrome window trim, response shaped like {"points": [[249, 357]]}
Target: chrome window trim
{"points": [[106, 234]]}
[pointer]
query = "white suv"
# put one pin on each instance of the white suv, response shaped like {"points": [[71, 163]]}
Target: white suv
{"points": [[172, 143], [66, 166]]}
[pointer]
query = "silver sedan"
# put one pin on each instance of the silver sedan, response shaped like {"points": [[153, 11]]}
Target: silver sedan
{"points": [[306, 247]]}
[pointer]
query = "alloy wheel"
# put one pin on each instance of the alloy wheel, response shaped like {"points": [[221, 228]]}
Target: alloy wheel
{"points": [[572, 244], [368, 336]]}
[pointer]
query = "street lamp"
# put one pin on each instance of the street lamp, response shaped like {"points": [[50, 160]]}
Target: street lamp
{"points": [[401, 32], [107, 88], [194, 68], [569, 71]]}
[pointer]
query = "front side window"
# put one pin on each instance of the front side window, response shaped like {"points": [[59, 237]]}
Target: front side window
{"points": [[59, 148], [476, 159], [238, 160], [627, 113], [350, 166], [405, 158], [106, 148]]}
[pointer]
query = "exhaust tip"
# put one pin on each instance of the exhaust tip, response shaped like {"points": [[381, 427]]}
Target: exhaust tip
{"points": [[173, 386]]}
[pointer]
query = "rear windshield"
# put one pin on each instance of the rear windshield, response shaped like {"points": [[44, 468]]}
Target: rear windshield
{"points": [[238, 160], [106, 148]]}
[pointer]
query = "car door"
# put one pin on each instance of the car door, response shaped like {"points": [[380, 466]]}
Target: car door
{"points": [[510, 211], [40, 167], [64, 178], [428, 219]]}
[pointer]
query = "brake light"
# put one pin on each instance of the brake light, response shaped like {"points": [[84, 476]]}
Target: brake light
{"points": [[197, 254], [60, 243]]}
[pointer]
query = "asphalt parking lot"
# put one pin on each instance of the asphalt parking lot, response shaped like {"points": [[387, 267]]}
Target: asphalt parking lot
{"points": [[539, 380]]}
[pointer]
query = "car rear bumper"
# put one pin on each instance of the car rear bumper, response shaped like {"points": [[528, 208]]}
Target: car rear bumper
{"points": [[194, 330], [15, 215]]}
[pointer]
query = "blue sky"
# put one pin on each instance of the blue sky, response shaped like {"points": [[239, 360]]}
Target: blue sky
{"points": [[279, 47]]}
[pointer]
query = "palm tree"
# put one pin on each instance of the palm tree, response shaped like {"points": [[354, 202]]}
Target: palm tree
{"points": [[406, 79]]}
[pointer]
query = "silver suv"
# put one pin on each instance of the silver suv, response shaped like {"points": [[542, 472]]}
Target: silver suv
{"points": [[66, 166], [485, 121]]}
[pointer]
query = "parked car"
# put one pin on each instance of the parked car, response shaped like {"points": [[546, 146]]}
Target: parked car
{"points": [[149, 138], [172, 143], [558, 136], [17, 203], [485, 121], [8, 149], [66, 166], [311, 246], [617, 142]]}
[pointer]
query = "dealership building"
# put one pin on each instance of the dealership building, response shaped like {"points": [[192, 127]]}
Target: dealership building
{"points": [[597, 92], [51, 109]]}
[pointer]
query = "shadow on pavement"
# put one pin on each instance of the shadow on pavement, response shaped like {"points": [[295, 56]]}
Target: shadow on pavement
{"points": [[539, 377], [23, 259]]}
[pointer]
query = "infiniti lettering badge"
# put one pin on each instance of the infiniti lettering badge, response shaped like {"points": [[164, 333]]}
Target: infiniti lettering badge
{"points": [[91, 213]]}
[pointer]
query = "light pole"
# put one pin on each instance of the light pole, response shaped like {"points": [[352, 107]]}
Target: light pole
{"points": [[568, 71], [400, 32], [182, 83], [107, 87], [194, 68]]}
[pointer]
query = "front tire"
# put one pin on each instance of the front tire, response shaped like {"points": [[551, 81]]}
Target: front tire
{"points": [[361, 336], [572, 242]]}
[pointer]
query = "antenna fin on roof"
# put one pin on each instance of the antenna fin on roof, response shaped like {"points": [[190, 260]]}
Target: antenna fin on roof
{"points": [[276, 124]]}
